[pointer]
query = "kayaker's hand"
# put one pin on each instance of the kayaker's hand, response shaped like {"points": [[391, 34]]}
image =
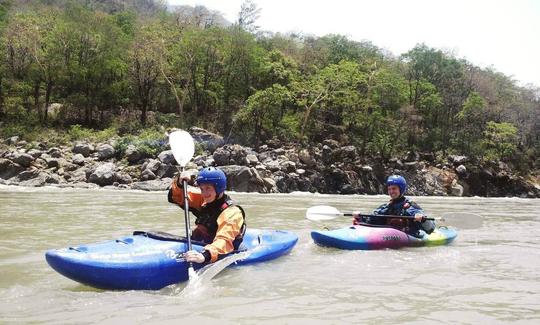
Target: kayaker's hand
{"points": [[356, 218], [185, 175], [194, 256], [419, 217]]}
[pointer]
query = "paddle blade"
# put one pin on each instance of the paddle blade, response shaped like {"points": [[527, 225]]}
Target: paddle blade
{"points": [[462, 220], [182, 147], [322, 212]]}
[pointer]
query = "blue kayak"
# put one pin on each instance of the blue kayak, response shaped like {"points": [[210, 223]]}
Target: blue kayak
{"points": [[368, 237], [151, 261]]}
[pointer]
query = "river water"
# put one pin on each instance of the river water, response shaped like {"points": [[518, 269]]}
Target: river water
{"points": [[489, 275]]}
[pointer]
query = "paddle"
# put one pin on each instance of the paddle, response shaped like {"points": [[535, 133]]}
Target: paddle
{"points": [[463, 220], [183, 148], [325, 212]]}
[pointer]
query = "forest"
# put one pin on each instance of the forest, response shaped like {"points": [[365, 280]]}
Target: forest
{"points": [[128, 67]]}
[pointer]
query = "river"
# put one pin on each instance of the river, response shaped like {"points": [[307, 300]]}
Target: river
{"points": [[489, 275]]}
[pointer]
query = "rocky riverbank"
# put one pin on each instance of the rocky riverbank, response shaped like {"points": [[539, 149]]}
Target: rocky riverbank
{"points": [[274, 167]]}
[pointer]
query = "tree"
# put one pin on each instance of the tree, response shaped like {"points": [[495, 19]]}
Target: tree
{"points": [[263, 111], [500, 140], [145, 68]]}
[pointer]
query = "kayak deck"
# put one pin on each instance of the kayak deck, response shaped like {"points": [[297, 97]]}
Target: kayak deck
{"points": [[364, 237], [141, 262]]}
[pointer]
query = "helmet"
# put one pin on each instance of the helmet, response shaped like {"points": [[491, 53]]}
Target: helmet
{"points": [[399, 181], [214, 176]]}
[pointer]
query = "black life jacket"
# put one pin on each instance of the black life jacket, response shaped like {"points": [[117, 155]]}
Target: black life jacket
{"points": [[206, 221]]}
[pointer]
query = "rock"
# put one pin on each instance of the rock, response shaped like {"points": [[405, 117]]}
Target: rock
{"points": [[22, 159], [270, 185], [221, 157], [300, 171], [252, 159], [367, 168], [333, 144], [288, 166], [306, 158], [347, 152], [272, 165], [458, 160], [456, 190], [133, 155], [152, 164], [243, 179], [167, 157], [82, 148], [105, 151], [41, 179], [103, 175], [238, 155], [78, 159], [78, 175], [147, 175], [9, 169], [411, 156], [13, 140], [427, 156], [327, 154], [167, 171], [209, 140], [35, 153], [347, 189], [123, 178], [152, 185], [462, 170], [55, 152], [55, 162], [411, 165]]}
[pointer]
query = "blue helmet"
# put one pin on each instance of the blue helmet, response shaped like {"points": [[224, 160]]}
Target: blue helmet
{"points": [[214, 176], [399, 181]]}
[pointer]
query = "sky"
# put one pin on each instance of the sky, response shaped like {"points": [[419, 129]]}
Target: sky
{"points": [[502, 34]]}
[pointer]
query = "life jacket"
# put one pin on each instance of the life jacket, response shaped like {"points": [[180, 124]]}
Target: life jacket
{"points": [[398, 207], [206, 221]]}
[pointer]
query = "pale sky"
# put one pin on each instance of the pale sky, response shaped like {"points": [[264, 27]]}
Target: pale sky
{"points": [[504, 34]]}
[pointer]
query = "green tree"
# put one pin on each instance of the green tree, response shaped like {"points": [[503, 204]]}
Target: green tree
{"points": [[262, 113], [500, 140]]}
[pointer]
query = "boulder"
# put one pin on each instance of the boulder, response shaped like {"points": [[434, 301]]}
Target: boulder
{"points": [[167, 157], [458, 160], [209, 140], [22, 159], [132, 154], [221, 157], [83, 148], [306, 158], [9, 169], [105, 151], [103, 175], [78, 159], [243, 179], [462, 170]]}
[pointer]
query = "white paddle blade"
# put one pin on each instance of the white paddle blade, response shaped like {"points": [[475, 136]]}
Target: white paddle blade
{"points": [[463, 220], [322, 212], [182, 147]]}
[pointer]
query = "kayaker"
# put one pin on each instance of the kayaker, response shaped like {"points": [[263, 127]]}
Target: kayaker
{"points": [[399, 205], [219, 222]]}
